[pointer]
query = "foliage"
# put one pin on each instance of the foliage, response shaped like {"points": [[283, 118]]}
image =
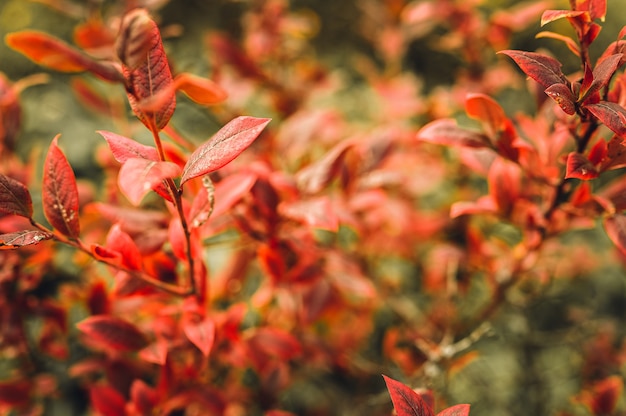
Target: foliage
{"points": [[286, 262]]}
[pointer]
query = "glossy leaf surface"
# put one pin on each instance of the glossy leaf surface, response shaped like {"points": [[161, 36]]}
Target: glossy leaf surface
{"points": [[405, 400]]}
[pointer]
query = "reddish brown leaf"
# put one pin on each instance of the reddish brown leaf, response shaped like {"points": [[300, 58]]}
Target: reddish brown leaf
{"points": [[53, 53], [276, 342], [112, 333], [543, 69], [15, 198], [143, 397], [606, 393], [447, 132], [201, 90], [60, 193], [458, 410], [201, 334], [15, 392], [107, 401], [615, 228], [616, 154], [485, 109], [563, 96], [552, 15], [405, 400], [23, 238], [316, 176], [145, 68], [505, 183], [124, 148], [224, 146], [138, 176], [598, 152], [611, 114], [601, 76], [579, 167]]}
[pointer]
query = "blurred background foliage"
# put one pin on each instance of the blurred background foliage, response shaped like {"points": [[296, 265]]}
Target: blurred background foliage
{"points": [[531, 362]]}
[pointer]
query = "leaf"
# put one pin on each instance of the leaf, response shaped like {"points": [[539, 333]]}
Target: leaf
{"points": [[112, 333], [611, 114], [606, 394], [53, 53], [615, 228], [201, 334], [316, 176], [203, 204], [505, 183], [602, 74], [60, 193], [485, 109], [146, 68], [107, 401], [316, 212], [579, 167], [563, 96], [458, 410], [447, 132], [569, 42], [124, 148], [120, 244], [276, 343], [616, 154], [138, 176], [144, 397], [23, 238], [15, 198], [201, 90], [543, 69], [223, 147], [405, 400], [552, 15]]}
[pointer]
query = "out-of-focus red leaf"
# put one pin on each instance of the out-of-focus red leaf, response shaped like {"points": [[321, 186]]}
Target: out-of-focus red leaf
{"points": [[543, 69], [458, 410], [586, 82], [597, 9], [201, 333], [484, 205], [552, 15], [22, 238], [603, 72], [15, 392], [579, 167], [119, 242], [143, 397], [138, 176], [203, 204], [231, 189], [124, 148], [145, 67], [504, 183], [155, 353], [53, 53], [616, 154], [93, 34], [98, 299], [447, 132], [15, 198], [112, 333], [615, 228], [224, 146], [563, 96], [107, 401], [606, 393], [201, 90], [315, 177], [405, 400], [60, 193], [611, 114], [89, 97], [275, 342], [316, 212], [485, 109], [598, 152]]}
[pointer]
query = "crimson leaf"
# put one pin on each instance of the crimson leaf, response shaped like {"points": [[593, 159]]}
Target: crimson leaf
{"points": [[112, 333], [458, 410], [579, 167], [200, 333], [405, 400], [124, 148], [223, 147], [447, 132], [60, 194], [611, 114], [15, 198], [563, 96], [22, 238], [543, 69]]}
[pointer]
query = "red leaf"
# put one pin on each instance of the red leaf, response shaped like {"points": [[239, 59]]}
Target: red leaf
{"points": [[447, 132], [598, 152], [597, 9], [146, 69], [458, 410], [111, 333], [138, 176], [60, 193], [543, 69], [316, 176], [486, 110], [405, 400], [124, 148], [563, 96], [203, 204], [579, 167], [120, 244], [275, 342], [53, 53], [23, 238], [201, 90], [317, 212], [504, 183], [569, 42], [601, 75], [552, 15], [15, 198], [230, 191], [201, 334], [615, 228], [611, 114], [616, 154], [107, 401], [223, 147], [484, 205], [15, 392], [606, 394], [143, 397]]}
